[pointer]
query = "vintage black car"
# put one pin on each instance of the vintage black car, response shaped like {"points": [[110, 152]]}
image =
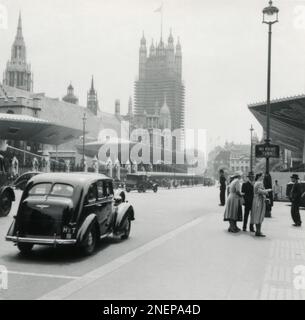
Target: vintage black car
{"points": [[74, 209], [140, 181], [7, 194], [23, 179]]}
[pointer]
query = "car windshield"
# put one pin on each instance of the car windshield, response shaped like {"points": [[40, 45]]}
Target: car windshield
{"points": [[135, 178], [63, 190], [41, 188]]}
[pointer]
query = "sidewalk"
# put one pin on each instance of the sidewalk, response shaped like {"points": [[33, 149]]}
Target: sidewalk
{"points": [[204, 261]]}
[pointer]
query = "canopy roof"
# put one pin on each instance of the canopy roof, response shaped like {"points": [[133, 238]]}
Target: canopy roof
{"points": [[287, 121], [27, 128]]}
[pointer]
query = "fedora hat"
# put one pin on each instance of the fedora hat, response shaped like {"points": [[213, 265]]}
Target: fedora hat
{"points": [[295, 176], [250, 174]]}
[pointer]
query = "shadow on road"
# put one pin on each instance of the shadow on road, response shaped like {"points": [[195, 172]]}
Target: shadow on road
{"points": [[63, 255]]}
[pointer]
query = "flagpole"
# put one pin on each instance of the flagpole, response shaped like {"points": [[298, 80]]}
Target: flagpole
{"points": [[162, 21]]}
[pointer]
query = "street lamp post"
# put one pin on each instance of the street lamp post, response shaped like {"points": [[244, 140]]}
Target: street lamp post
{"points": [[84, 133], [251, 150], [270, 17]]}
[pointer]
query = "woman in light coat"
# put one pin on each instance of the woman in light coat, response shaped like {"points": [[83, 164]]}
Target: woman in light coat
{"points": [[233, 211], [259, 204]]}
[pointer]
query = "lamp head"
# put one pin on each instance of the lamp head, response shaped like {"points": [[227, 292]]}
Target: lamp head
{"points": [[270, 14]]}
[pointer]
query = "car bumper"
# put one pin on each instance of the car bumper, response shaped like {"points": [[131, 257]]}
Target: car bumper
{"points": [[43, 241]]}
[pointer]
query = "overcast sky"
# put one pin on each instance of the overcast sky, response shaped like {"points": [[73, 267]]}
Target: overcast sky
{"points": [[224, 46]]}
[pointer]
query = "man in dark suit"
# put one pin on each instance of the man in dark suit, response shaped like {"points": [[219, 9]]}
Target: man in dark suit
{"points": [[248, 190], [223, 187], [295, 198]]}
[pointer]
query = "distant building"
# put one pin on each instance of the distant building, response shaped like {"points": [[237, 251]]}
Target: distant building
{"points": [[234, 157], [70, 96], [240, 158], [18, 72], [159, 91]]}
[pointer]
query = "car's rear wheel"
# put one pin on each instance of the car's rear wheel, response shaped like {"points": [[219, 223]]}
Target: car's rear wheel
{"points": [[127, 190], [25, 248], [89, 243], [155, 189], [5, 204], [126, 229]]}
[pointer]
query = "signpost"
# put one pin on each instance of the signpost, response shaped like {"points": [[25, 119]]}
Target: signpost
{"points": [[267, 150]]}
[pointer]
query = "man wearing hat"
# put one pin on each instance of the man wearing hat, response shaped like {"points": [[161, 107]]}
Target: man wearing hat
{"points": [[295, 198], [248, 190]]}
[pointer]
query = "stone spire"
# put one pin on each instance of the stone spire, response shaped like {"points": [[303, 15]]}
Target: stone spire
{"points": [[18, 72], [92, 101]]}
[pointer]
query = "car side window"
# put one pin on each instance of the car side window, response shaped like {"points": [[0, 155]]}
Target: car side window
{"points": [[108, 189], [100, 189], [92, 193]]}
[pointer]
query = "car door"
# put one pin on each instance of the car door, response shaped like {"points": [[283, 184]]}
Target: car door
{"points": [[104, 205], [105, 200], [91, 202]]}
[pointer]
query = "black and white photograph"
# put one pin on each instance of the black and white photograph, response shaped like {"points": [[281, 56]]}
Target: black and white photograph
{"points": [[152, 151]]}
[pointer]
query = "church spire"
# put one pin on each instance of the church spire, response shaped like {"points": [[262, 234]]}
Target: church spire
{"points": [[19, 28], [92, 100], [18, 72], [92, 84]]}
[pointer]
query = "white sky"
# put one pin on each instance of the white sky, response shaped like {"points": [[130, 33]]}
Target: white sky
{"points": [[224, 47]]}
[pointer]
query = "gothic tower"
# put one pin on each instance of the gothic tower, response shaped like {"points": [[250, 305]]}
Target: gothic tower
{"points": [[142, 58], [18, 72], [160, 75], [92, 101]]}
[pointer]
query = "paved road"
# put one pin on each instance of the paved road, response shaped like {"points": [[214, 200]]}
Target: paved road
{"points": [[179, 249], [47, 269]]}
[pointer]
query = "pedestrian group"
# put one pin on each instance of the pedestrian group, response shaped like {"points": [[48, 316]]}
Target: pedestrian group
{"points": [[256, 199]]}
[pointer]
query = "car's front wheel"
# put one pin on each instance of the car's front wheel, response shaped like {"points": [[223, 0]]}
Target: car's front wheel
{"points": [[126, 229], [25, 248], [89, 243], [5, 204]]}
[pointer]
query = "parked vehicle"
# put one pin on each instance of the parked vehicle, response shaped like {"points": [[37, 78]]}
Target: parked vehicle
{"points": [[7, 187], [141, 182], [74, 209], [23, 179], [7, 195], [208, 182]]}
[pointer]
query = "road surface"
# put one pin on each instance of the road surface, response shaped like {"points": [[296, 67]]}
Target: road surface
{"points": [[179, 249]]}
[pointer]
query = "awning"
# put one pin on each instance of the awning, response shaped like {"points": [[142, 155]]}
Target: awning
{"points": [[287, 121], [27, 128]]}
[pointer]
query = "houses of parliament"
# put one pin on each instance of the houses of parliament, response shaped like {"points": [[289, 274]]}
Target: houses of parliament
{"points": [[158, 94]]}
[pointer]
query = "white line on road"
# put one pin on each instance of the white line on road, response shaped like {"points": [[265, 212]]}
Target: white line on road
{"points": [[76, 285], [42, 275]]}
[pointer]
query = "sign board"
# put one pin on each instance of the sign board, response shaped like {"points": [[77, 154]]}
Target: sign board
{"points": [[267, 151]]}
